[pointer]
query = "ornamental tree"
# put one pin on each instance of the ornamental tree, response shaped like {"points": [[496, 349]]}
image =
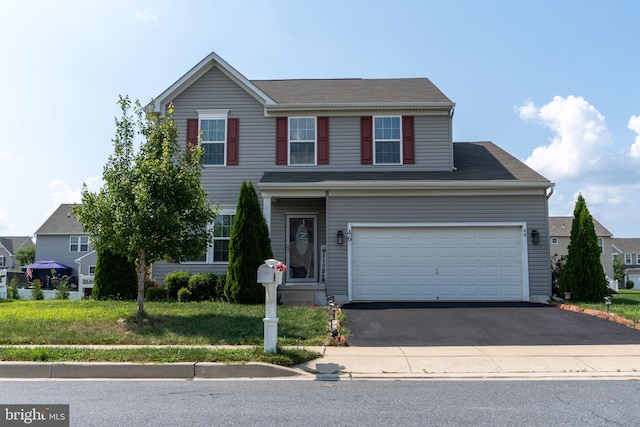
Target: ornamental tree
{"points": [[619, 270], [249, 246], [25, 255], [152, 205], [115, 277], [583, 274]]}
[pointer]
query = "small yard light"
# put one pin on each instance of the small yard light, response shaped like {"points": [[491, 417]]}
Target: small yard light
{"points": [[567, 296], [535, 236], [340, 237], [607, 301]]}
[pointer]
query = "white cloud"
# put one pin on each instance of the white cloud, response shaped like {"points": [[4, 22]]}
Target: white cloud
{"points": [[146, 16], [634, 125], [580, 139]]}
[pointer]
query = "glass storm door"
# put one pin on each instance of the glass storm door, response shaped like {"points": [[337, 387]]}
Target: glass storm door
{"points": [[301, 248]]}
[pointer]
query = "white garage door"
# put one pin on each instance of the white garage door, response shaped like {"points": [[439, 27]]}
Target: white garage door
{"points": [[462, 263]]}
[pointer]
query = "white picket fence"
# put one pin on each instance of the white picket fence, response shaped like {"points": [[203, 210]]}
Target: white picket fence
{"points": [[85, 284]]}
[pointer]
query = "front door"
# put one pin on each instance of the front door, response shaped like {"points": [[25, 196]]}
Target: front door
{"points": [[301, 248]]}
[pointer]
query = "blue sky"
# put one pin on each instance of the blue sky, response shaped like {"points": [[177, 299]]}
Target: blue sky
{"points": [[554, 83]]}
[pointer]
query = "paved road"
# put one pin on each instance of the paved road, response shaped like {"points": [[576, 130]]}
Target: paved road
{"points": [[340, 403], [478, 324]]}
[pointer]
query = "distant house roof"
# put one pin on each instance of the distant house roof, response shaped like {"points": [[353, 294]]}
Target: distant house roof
{"points": [[475, 162], [626, 245], [560, 226], [13, 243], [61, 222]]}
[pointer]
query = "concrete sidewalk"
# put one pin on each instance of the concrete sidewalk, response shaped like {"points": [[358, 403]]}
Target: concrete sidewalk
{"points": [[346, 363], [593, 361]]}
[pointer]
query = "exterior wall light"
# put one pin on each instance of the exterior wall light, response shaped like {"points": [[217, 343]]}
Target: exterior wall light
{"points": [[535, 237], [340, 237]]}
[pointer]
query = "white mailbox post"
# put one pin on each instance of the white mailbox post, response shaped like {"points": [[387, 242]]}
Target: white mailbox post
{"points": [[270, 277]]}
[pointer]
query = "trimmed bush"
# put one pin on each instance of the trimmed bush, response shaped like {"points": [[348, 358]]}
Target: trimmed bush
{"points": [[202, 286], [156, 294], [175, 281], [218, 290], [115, 277], [12, 289], [629, 284], [184, 295], [36, 293]]}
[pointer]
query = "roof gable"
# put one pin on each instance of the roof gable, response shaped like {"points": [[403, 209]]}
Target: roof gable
{"points": [[210, 61], [13, 243], [61, 222]]}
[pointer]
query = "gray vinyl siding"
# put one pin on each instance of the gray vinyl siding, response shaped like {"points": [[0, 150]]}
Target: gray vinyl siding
{"points": [[56, 248], [529, 209]]}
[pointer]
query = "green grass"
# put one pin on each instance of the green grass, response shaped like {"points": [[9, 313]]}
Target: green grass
{"points": [[626, 304], [89, 322]]}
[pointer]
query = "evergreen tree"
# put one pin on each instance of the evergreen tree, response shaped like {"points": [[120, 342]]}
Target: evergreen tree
{"points": [[249, 247], [583, 274], [115, 277]]}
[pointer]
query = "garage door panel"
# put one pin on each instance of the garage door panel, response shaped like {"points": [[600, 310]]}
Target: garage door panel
{"points": [[437, 263]]}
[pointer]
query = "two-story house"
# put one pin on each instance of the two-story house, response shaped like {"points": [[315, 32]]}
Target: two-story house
{"points": [[560, 236], [629, 250], [61, 238], [365, 194]]}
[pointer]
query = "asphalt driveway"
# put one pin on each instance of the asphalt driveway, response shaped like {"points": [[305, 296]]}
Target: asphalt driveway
{"points": [[478, 324]]}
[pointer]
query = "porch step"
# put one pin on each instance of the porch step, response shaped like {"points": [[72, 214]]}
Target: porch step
{"points": [[298, 297]]}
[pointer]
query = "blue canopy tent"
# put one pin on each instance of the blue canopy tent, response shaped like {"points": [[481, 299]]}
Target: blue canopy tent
{"points": [[42, 270]]}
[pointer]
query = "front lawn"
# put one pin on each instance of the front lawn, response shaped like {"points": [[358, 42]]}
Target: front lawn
{"points": [[90, 322], [626, 304]]}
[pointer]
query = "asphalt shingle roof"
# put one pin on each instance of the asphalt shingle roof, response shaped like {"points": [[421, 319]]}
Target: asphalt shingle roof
{"points": [[61, 222], [560, 226], [474, 161], [337, 91]]}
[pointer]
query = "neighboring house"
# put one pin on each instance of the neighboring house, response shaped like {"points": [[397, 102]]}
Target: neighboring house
{"points": [[365, 194], [61, 239], [560, 236], [629, 250], [9, 245]]}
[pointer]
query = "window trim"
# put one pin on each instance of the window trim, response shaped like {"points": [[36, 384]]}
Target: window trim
{"points": [[601, 244], [374, 140], [218, 114], [554, 240], [209, 254], [315, 141], [628, 259], [2, 260]]}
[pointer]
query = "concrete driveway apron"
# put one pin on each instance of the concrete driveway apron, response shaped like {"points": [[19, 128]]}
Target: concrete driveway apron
{"points": [[478, 324]]}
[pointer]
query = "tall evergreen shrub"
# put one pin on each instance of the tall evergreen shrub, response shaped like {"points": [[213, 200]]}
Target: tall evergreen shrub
{"points": [[249, 247], [583, 274]]}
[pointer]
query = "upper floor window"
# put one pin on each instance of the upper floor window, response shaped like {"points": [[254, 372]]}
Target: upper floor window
{"points": [[213, 136], [600, 244], [387, 137], [627, 259], [302, 140], [554, 240], [637, 258], [2, 261], [78, 243]]}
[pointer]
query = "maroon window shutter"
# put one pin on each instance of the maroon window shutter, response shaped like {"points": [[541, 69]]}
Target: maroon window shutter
{"points": [[323, 140], [408, 141], [233, 137], [282, 138], [366, 140], [192, 133]]}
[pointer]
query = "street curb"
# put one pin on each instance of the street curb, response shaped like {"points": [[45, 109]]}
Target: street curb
{"points": [[126, 370]]}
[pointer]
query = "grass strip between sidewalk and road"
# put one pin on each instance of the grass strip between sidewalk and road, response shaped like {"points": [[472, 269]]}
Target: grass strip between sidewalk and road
{"points": [[191, 326]]}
